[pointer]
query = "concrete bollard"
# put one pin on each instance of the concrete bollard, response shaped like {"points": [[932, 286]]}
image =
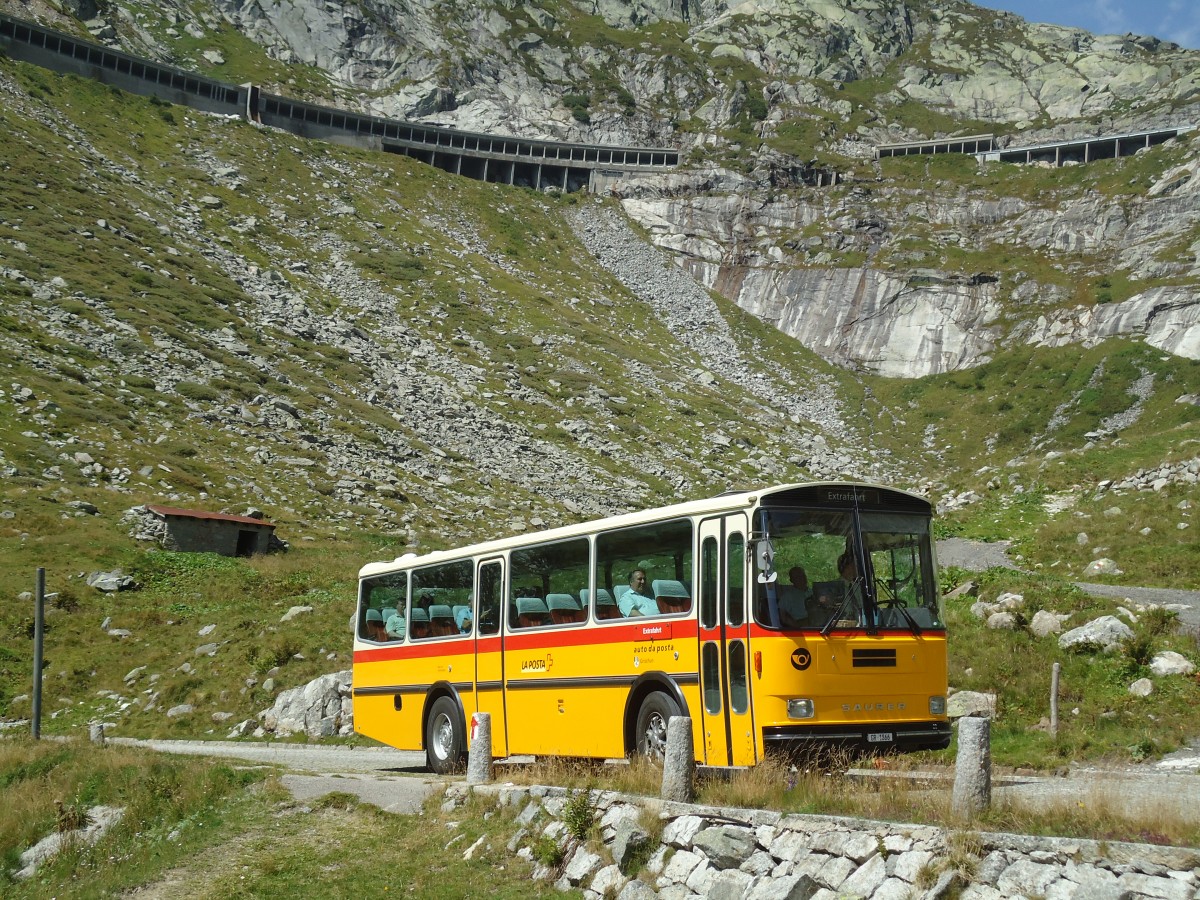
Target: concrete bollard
{"points": [[679, 762], [479, 753], [972, 792], [1055, 673], [96, 733]]}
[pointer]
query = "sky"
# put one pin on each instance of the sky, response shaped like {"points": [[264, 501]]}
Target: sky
{"points": [[1171, 20]]}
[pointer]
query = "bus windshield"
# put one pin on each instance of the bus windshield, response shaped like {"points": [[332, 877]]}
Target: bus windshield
{"points": [[836, 569]]}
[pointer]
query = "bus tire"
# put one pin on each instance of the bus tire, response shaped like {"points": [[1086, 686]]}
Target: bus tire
{"points": [[653, 717], [445, 742]]}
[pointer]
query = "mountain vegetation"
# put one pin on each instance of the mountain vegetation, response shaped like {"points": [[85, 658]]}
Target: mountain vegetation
{"points": [[383, 357]]}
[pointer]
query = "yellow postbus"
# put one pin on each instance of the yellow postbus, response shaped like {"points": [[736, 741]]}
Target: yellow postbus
{"points": [[794, 615]]}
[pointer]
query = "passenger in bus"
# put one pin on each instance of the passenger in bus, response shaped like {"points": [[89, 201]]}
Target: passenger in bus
{"points": [[531, 612], [794, 598], [635, 601], [418, 626], [424, 601], [375, 630], [462, 619], [394, 625]]}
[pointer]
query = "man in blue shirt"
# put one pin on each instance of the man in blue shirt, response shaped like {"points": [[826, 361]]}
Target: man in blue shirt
{"points": [[635, 601]]}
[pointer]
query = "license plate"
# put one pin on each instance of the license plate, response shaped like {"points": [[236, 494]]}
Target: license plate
{"points": [[879, 737]]}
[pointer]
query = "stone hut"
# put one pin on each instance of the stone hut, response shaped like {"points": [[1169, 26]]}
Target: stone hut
{"points": [[198, 531]]}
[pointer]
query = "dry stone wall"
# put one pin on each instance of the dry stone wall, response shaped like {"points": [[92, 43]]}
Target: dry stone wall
{"points": [[732, 854]]}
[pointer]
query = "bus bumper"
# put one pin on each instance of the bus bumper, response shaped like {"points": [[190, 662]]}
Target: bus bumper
{"points": [[866, 736]]}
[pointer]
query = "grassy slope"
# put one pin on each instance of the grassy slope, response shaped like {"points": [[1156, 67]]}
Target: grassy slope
{"points": [[980, 419], [198, 829]]}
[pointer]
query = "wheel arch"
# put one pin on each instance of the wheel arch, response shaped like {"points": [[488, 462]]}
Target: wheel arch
{"points": [[647, 684]]}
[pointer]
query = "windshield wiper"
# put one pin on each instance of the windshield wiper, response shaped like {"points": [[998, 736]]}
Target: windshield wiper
{"points": [[912, 623], [895, 603], [863, 618]]}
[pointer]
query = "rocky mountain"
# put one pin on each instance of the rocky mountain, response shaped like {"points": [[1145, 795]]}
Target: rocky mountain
{"points": [[913, 267], [364, 341]]}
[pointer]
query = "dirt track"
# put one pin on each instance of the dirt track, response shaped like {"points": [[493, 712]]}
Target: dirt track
{"points": [[978, 556]]}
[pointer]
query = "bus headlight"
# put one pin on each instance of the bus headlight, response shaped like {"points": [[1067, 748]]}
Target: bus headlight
{"points": [[937, 706], [800, 709]]}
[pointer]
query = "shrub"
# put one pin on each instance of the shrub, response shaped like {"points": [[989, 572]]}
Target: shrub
{"points": [[578, 105], [548, 852], [579, 815]]}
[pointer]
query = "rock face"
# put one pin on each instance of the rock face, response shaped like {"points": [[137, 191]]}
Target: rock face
{"points": [[911, 322]]}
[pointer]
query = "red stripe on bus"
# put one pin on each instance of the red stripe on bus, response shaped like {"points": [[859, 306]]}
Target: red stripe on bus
{"points": [[640, 632]]}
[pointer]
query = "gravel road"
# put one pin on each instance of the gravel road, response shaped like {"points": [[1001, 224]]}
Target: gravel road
{"points": [[397, 780], [977, 556]]}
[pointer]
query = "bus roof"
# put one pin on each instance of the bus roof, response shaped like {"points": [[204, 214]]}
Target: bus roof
{"points": [[726, 502]]}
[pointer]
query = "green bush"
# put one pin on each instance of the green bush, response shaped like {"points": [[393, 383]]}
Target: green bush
{"points": [[579, 815], [547, 851], [578, 105]]}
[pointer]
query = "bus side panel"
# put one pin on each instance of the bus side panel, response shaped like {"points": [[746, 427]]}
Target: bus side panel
{"points": [[401, 676], [556, 703], [376, 716], [560, 704]]}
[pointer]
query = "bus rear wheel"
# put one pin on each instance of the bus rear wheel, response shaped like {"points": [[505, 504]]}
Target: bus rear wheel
{"points": [[653, 718], [445, 743]]}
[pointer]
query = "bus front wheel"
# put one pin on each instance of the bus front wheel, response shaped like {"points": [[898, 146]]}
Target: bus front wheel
{"points": [[653, 717], [445, 742]]}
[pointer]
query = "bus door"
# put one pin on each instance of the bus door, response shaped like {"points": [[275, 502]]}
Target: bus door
{"points": [[728, 723], [489, 656]]}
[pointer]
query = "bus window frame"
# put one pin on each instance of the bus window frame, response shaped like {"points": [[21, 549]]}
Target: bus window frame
{"points": [[689, 557]]}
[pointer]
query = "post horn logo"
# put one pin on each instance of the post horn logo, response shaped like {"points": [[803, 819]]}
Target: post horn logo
{"points": [[801, 659]]}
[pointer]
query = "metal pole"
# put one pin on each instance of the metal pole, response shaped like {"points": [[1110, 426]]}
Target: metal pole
{"points": [[39, 622], [1054, 673]]}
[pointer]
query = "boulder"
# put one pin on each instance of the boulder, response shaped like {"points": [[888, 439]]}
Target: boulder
{"points": [[1168, 662], [99, 820], [1002, 621], [111, 582], [321, 708], [1106, 633], [1143, 687], [1102, 566], [1044, 623]]}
